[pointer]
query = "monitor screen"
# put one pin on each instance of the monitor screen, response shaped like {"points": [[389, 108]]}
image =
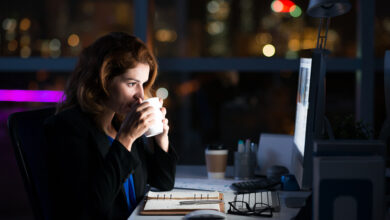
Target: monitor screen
{"points": [[302, 136], [309, 119], [302, 104]]}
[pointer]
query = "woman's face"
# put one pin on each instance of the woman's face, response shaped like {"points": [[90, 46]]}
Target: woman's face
{"points": [[125, 89]]}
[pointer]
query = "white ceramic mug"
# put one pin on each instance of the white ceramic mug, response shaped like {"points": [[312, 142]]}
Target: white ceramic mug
{"points": [[157, 127]]}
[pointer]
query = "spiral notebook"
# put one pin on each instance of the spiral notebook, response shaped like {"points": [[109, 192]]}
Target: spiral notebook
{"points": [[181, 202]]}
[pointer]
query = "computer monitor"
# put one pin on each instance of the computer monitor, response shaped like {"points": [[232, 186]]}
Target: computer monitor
{"points": [[309, 116], [385, 131], [387, 82]]}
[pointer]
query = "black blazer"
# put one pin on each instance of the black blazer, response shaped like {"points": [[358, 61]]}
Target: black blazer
{"points": [[86, 174]]}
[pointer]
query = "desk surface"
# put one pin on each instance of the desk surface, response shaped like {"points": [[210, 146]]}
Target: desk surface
{"points": [[199, 173]]}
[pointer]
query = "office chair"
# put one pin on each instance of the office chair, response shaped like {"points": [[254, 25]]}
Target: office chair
{"points": [[27, 137]]}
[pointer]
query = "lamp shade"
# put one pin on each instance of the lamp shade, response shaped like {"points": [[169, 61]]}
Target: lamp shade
{"points": [[328, 8]]}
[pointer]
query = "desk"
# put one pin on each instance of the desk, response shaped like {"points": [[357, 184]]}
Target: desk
{"points": [[199, 172]]}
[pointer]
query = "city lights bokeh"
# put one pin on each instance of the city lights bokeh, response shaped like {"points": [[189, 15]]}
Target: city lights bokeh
{"points": [[269, 50], [162, 93]]}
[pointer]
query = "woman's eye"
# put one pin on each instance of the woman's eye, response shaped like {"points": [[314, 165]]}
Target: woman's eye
{"points": [[131, 84]]}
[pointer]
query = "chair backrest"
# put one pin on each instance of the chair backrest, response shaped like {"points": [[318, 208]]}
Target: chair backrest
{"points": [[27, 137]]}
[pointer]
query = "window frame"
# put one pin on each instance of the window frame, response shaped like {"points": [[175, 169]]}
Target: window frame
{"points": [[364, 64]]}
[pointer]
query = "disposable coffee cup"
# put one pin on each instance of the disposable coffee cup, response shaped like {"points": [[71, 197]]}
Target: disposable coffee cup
{"points": [[216, 160], [157, 127]]}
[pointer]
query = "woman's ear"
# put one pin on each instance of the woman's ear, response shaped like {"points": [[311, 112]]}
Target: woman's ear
{"points": [[103, 77]]}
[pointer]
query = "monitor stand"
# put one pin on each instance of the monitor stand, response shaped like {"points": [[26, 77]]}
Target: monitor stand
{"points": [[306, 211], [295, 202]]}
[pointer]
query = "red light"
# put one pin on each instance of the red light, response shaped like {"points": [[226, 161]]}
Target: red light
{"points": [[277, 6], [282, 6]]}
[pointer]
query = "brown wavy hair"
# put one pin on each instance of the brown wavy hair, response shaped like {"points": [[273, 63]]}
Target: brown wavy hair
{"points": [[109, 56]]}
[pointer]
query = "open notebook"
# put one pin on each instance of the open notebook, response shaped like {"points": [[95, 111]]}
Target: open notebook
{"points": [[181, 202]]}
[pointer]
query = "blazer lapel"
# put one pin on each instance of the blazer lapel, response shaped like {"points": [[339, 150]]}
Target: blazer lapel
{"points": [[101, 139], [103, 144]]}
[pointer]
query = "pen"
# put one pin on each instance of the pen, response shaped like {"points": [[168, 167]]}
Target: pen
{"points": [[241, 147], [254, 147], [247, 145], [193, 202]]}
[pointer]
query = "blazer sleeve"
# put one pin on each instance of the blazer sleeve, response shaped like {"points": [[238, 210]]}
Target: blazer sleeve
{"points": [[82, 183], [161, 166]]}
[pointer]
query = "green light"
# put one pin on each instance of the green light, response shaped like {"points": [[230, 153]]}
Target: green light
{"points": [[291, 55], [295, 11]]}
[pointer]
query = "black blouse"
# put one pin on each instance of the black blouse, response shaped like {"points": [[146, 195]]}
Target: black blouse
{"points": [[86, 174]]}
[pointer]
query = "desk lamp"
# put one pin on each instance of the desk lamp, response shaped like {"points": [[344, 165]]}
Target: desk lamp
{"points": [[323, 9]]}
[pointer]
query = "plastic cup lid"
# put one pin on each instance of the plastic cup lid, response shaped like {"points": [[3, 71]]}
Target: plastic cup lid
{"points": [[216, 147]]}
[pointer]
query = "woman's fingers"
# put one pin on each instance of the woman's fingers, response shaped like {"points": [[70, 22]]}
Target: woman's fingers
{"points": [[163, 111], [165, 126], [141, 117], [143, 106]]}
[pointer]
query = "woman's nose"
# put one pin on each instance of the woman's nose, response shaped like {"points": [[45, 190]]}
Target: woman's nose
{"points": [[140, 92]]}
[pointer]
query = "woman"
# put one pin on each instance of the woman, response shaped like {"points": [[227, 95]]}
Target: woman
{"points": [[100, 162]]}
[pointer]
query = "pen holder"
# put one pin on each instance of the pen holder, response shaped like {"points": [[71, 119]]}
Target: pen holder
{"points": [[244, 165]]}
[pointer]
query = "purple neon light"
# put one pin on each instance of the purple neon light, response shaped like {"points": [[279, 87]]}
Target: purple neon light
{"points": [[30, 95]]}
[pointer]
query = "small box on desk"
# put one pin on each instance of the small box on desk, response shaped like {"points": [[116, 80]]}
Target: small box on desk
{"points": [[348, 180], [274, 149]]}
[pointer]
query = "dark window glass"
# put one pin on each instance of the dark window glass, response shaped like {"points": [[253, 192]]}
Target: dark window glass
{"points": [[59, 28], [379, 103], [341, 104], [40, 80], [382, 28], [242, 28], [224, 107]]}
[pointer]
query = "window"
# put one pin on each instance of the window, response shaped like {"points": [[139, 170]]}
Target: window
{"points": [[223, 62], [59, 28], [245, 28]]}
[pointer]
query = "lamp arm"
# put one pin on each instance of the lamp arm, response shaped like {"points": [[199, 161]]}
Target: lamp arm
{"points": [[321, 39]]}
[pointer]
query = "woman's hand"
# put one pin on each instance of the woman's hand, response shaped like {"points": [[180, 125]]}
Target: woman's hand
{"points": [[162, 139], [136, 123]]}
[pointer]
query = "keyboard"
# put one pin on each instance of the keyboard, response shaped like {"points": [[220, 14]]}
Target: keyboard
{"points": [[265, 198], [255, 185]]}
